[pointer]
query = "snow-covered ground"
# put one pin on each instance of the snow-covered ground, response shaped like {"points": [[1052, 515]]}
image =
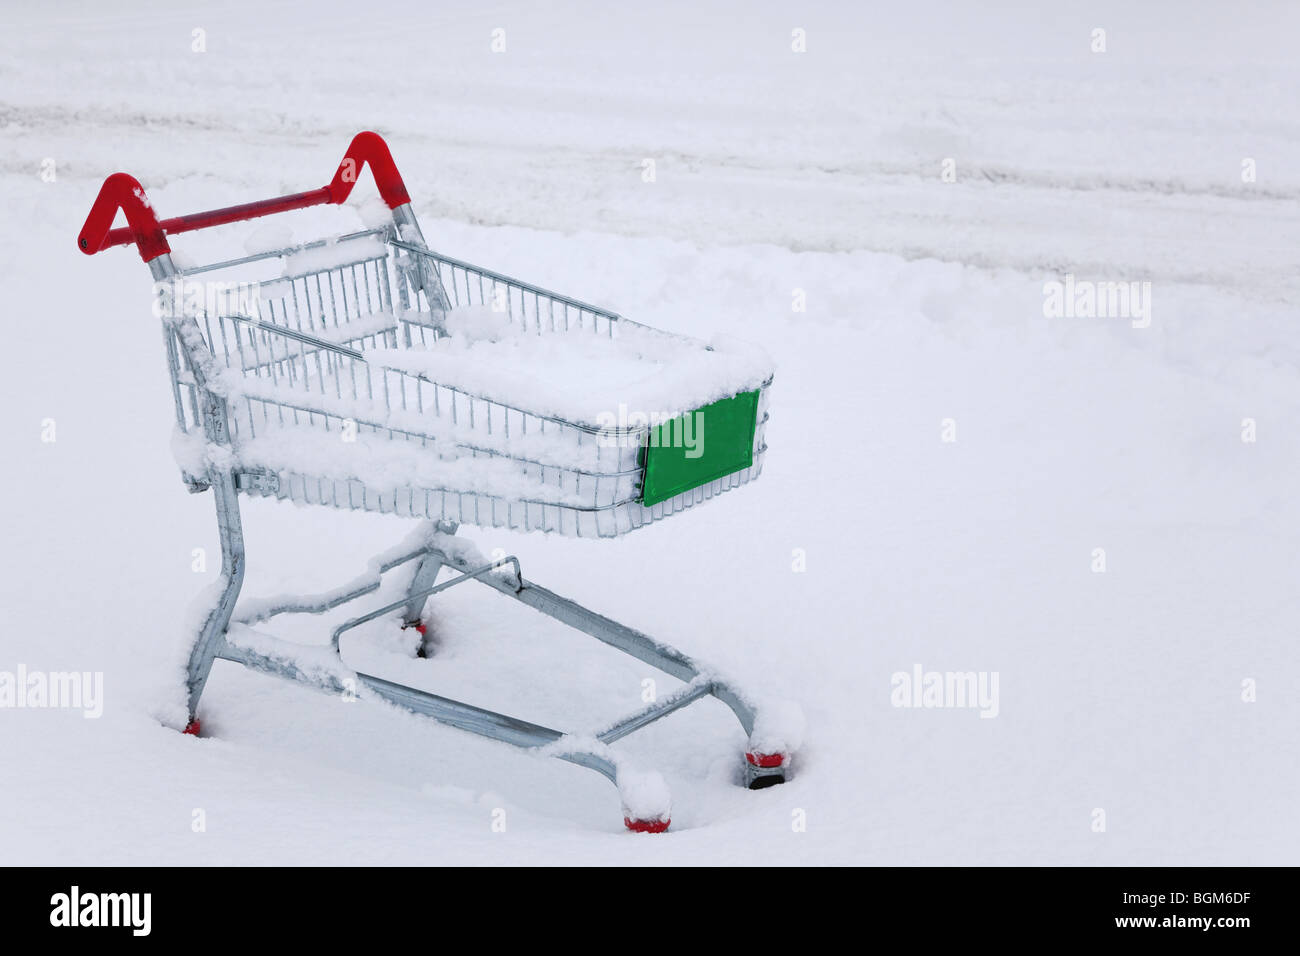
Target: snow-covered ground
{"points": [[780, 177]]}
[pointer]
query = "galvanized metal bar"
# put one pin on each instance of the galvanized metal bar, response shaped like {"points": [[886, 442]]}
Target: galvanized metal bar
{"points": [[383, 232], [486, 723], [661, 708], [507, 280], [425, 593], [629, 641], [216, 427], [427, 277], [453, 713], [212, 632], [426, 575], [477, 720], [285, 667], [296, 336], [318, 604], [739, 706], [626, 639]]}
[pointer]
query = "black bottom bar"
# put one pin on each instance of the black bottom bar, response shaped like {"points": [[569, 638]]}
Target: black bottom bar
{"points": [[976, 906]]}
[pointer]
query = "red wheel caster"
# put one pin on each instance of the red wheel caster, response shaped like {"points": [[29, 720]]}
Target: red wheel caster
{"points": [[765, 770], [192, 727], [646, 826], [422, 629]]}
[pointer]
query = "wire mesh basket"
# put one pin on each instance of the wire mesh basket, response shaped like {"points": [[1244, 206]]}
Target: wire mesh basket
{"points": [[346, 389]]}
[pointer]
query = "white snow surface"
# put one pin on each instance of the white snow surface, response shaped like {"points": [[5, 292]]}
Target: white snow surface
{"points": [[869, 545], [578, 375]]}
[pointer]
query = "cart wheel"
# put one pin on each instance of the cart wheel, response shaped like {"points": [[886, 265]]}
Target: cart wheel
{"points": [[192, 727], [646, 826], [765, 770], [424, 633]]}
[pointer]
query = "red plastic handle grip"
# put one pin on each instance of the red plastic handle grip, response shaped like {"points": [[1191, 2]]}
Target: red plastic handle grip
{"points": [[369, 149], [121, 191]]}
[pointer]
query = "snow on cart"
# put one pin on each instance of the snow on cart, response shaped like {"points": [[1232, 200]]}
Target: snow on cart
{"points": [[367, 372]]}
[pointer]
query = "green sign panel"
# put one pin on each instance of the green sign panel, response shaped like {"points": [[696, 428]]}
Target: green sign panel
{"points": [[699, 447]]}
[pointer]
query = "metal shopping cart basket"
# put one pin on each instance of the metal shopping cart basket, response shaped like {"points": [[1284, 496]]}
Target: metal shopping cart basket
{"points": [[368, 372]]}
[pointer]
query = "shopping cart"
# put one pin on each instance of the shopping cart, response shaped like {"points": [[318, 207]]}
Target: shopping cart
{"points": [[368, 372]]}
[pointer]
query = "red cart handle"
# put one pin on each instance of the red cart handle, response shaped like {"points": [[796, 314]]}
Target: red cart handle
{"points": [[121, 191]]}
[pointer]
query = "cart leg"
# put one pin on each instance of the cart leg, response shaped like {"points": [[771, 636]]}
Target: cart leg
{"points": [[212, 635], [761, 769], [426, 574]]}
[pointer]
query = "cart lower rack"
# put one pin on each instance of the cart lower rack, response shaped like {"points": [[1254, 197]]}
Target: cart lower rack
{"points": [[368, 372]]}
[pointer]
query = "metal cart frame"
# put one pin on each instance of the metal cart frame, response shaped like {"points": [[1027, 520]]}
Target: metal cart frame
{"points": [[432, 547]]}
